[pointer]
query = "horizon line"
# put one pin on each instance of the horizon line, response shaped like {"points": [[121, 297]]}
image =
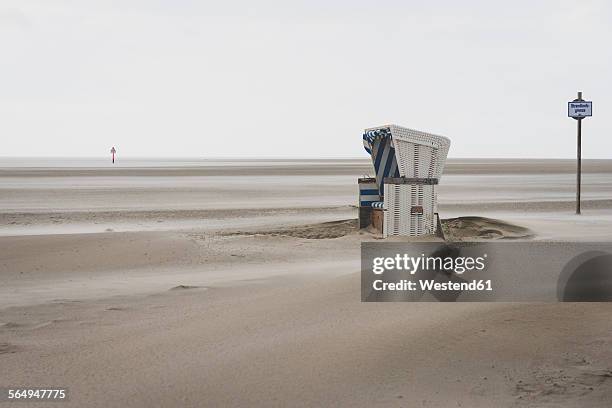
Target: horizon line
{"points": [[365, 157]]}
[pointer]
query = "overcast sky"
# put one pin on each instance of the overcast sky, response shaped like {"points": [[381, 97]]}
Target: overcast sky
{"points": [[301, 78]]}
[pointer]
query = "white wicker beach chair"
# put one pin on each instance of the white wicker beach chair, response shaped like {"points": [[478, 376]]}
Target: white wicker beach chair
{"points": [[410, 202]]}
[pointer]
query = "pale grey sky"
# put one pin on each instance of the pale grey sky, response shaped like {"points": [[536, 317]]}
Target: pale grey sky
{"points": [[301, 78]]}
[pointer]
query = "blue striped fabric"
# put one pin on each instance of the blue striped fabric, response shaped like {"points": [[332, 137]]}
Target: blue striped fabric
{"points": [[378, 144], [378, 204], [368, 193]]}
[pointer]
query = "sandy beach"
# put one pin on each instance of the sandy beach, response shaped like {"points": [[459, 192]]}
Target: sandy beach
{"points": [[236, 283]]}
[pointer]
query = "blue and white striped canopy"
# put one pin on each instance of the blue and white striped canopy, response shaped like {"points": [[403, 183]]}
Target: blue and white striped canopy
{"points": [[378, 144]]}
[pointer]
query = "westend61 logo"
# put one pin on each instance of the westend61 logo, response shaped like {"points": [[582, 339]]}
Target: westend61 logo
{"points": [[412, 264], [405, 263], [519, 271]]}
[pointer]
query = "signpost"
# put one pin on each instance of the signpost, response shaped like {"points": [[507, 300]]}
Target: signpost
{"points": [[113, 151], [579, 109]]}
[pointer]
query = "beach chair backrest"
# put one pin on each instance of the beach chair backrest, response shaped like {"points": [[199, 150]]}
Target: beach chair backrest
{"points": [[419, 154]]}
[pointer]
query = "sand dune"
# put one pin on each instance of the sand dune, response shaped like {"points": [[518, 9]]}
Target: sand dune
{"points": [[326, 230], [476, 228], [454, 229]]}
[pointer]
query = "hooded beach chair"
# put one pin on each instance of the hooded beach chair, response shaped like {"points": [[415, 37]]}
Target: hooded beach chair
{"points": [[408, 165]]}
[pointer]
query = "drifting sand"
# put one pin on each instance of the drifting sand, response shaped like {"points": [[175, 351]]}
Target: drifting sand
{"points": [[178, 287]]}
